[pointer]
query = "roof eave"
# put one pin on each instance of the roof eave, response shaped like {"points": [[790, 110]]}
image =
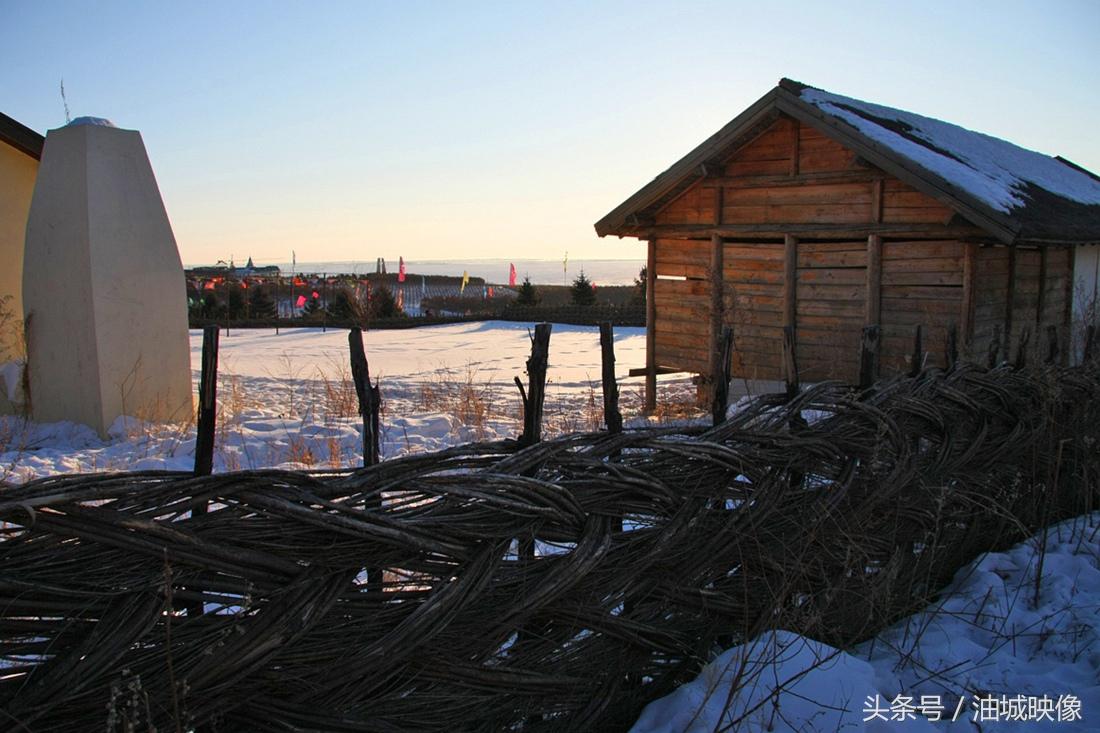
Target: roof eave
{"points": [[615, 221], [21, 137], [975, 211]]}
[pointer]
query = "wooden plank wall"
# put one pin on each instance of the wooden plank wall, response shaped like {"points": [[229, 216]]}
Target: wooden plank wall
{"points": [[922, 284], [753, 303], [682, 324], [991, 288], [830, 294], [776, 180]]}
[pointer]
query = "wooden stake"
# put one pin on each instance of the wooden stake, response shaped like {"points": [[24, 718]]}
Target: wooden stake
{"points": [[716, 305], [951, 348], [721, 378], [918, 354], [651, 328], [535, 395], [1021, 350], [208, 403], [868, 356], [873, 306], [611, 415], [369, 397], [790, 363], [1052, 345]]}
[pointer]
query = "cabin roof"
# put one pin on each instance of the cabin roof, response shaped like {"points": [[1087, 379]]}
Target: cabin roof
{"points": [[21, 137], [1015, 194]]}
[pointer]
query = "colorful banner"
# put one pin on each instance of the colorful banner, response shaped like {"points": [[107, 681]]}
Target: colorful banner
{"points": [[465, 282], [511, 275], [400, 269], [301, 301]]}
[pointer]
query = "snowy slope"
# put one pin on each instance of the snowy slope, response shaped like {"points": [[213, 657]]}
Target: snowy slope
{"points": [[986, 655]]}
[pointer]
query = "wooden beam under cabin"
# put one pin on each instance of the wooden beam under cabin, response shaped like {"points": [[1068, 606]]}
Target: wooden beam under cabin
{"points": [[966, 314], [651, 327], [790, 280], [1010, 299], [873, 303], [716, 278]]}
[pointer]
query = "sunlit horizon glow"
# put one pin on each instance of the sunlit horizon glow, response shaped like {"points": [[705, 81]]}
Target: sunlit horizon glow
{"points": [[433, 131]]}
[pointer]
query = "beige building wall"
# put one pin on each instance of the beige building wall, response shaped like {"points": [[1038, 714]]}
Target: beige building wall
{"points": [[17, 174], [104, 287]]}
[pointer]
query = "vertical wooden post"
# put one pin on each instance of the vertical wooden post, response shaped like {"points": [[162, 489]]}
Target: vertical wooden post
{"points": [[1052, 345], [208, 403], [1067, 317], [790, 281], [868, 356], [721, 377], [995, 347], [951, 348], [651, 327], [790, 363], [1011, 299], [611, 415], [716, 306], [369, 397], [966, 314], [535, 395], [1042, 287], [278, 311], [1021, 349], [873, 307], [918, 354]]}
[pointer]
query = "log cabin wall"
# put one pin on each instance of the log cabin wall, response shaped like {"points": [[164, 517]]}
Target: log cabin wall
{"points": [[791, 174], [1037, 282]]}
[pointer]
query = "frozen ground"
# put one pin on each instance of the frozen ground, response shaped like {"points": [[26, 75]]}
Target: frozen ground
{"points": [[286, 400], [990, 655]]}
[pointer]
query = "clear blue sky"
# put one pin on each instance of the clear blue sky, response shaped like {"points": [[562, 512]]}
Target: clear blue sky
{"points": [[351, 130]]}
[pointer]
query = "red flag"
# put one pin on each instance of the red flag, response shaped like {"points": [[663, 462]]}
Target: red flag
{"points": [[400, 269], [511, 275], [301, 300]]}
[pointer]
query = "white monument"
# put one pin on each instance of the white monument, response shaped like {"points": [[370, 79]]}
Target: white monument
{"points": [[103, 286]]}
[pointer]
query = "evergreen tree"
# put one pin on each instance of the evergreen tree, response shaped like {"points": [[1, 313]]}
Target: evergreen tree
{"points": [[640, 287], [383, 304], [528, 293], [260, 304], [236, 300], [211, 307], [582, 291]]}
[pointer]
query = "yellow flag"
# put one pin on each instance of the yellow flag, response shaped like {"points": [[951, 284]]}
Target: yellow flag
{"points": [[465, 282]]}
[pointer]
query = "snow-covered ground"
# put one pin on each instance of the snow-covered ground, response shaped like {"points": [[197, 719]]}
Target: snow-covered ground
{"points": [[286, 400], [988, 656]]}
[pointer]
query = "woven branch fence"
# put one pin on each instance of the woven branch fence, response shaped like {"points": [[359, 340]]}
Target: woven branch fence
{"points": [[124, 606]]}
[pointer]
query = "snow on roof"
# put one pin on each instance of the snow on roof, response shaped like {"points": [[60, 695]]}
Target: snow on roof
{"points": [[991, 170]]}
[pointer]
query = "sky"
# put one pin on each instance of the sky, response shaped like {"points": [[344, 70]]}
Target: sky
{"points": [[446, 130]]}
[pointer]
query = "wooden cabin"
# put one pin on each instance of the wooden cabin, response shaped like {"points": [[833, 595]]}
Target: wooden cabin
{"points": [[825, 214]]}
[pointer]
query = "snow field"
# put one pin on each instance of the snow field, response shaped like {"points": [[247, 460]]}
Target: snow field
{"points": [[286, 400]]}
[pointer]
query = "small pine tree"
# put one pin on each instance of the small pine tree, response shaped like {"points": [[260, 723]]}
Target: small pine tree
{"points": [[582, 291], [260, 304], [528, 293], [383, 304], [640, 286], [236, 300]]}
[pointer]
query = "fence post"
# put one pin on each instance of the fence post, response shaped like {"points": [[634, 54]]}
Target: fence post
{"points": [[918, 354], [868, 357], [1021, 350], [1052, 343], [611, 415], [721, 377], [995, 347], [790, 363], [951, 348], [535, 395], [369, 396], [208, 403]]}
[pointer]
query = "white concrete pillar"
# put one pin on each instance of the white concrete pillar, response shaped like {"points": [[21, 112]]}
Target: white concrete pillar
{"points": [[103, 286]]}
